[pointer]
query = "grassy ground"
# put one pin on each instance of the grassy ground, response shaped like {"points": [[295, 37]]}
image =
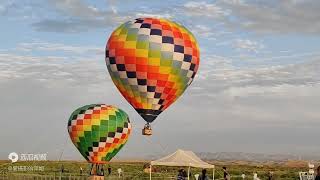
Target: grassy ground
{"points": [[134, 170]]}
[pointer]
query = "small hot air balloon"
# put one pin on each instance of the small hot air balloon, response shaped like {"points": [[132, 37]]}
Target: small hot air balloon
{"points": [[99, 132], [152, 62]]}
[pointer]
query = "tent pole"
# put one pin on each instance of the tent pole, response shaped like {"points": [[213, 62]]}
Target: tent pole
{"points": [[213, 173], [150, 171], [188, 173]]}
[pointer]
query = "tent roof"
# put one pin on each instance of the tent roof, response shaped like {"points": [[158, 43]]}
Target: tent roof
{"points": [[182, 158]]}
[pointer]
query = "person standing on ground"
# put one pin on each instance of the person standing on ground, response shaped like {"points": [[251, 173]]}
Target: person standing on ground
{"points": [[62, 168], [81, 170], [226, 175], [180, 175], [255, 176], [270, 176], [243, 176], [203, 175], [109, 170], [119, 172], [93, 170], [101, 170], [184, 173], [318, 173]]}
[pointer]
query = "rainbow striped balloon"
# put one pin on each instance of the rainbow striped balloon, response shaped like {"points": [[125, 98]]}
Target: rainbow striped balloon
{"points": [[152, 62], [99, 131]]}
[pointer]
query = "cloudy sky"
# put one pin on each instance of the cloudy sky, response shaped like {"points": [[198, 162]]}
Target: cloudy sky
{"points": [[257, 89]]}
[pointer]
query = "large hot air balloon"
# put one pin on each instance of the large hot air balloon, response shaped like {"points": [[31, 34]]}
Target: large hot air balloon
{"points": [[99, 131], [152, 62]]}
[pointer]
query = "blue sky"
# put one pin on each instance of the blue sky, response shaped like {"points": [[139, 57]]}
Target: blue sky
{"points": [[259, 73]]}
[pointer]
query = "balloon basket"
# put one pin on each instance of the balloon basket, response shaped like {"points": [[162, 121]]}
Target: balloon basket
{"points": [[95, 177], [96, 172], [146, 132]]}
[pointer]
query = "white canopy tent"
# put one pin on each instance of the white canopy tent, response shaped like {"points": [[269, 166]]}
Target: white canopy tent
{"points": [[182, 158]]}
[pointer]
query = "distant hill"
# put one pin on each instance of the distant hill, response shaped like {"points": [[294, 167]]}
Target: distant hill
{"points": [[238, 157], [255, 157]]}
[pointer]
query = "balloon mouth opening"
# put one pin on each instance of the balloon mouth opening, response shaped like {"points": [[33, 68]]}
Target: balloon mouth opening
{"points": [[148, 115], [99, 162]]}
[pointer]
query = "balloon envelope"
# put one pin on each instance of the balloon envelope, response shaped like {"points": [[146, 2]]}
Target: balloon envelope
{"points": [[99, 131], [152, 62]]}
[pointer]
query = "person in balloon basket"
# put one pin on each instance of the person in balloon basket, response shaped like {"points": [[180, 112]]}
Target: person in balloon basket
{"points": [[318, 173], [203, 175]]}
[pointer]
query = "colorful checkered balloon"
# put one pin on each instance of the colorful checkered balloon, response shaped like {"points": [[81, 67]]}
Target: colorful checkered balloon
{"points": [[99, 131], [152, 62]]}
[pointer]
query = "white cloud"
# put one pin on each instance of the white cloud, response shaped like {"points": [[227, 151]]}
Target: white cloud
{"points": [[75, 25], [75, 68], [77, 8], [58, 47], [247, 45], [203, 8], [203, 30], [2, 9], [114, 9], [213, 64], [288, 16], [219, 77], [162, 15], [289, 55], [76, 16]]}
